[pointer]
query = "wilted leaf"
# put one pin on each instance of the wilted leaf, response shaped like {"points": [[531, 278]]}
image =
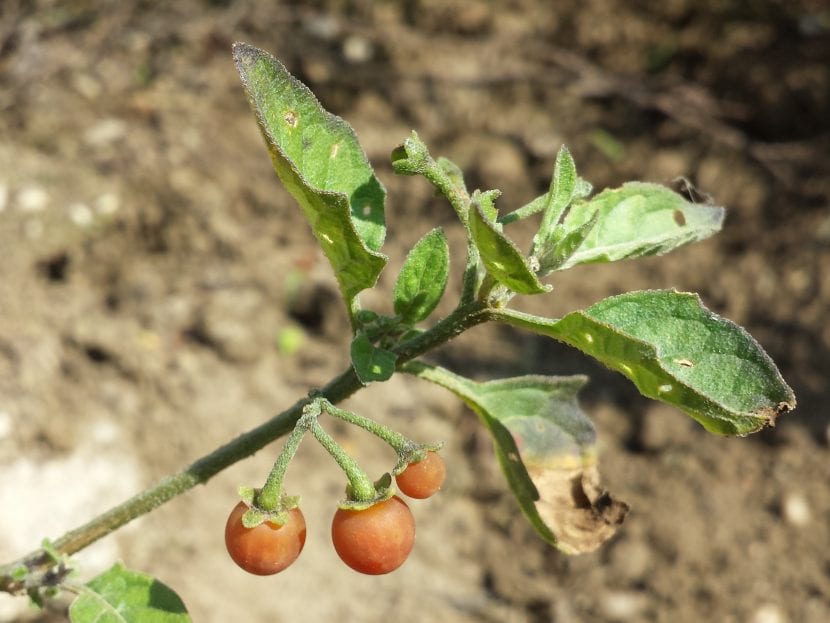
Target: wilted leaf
{"points": [[546, 447]]}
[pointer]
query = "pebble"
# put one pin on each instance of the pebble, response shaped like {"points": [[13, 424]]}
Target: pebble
{"points": [[108, 203], [105, 132], [357, 49], [80, 214], [796, 509], [622, 605], [768, 613], [32, 199]]}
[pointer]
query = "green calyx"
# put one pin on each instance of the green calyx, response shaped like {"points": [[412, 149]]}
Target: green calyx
{"points": [[256, 514]]}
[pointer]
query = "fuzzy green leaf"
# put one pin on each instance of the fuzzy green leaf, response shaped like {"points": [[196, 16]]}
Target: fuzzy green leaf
{"points": [[120, 595], [423, 277], [638, 219], [678, 352], [546, 447], [562, 185], [318, 159], [370, 362], [564, 244], [501, 257]]}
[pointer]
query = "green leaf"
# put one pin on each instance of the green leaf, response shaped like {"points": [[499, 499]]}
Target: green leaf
{"points": [[370, 362], [564, 245], [318, 159], [120, 595], [501, 257], [546, 447], [678, 352], [412, 157], [423, 277], [486, 200], [636, 220], [562, 186]]}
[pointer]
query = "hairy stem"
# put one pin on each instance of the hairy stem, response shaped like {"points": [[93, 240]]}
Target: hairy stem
{"points": [[361, 487], [398, 442]]}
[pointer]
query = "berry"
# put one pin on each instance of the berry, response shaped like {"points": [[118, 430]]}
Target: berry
{"points": [[376, 540], [268, 548], [422, 479]]}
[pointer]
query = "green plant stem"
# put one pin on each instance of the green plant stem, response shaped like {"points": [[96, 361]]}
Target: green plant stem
{"points": [[361, 487], [203, 469], [399, 443], [269, 496]]}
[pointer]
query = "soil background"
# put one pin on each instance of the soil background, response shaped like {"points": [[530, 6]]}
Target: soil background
{"points": [[155, 279]]}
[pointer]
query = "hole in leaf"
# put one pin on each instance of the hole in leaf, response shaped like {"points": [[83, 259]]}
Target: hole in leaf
{"points": [[291, 118]]}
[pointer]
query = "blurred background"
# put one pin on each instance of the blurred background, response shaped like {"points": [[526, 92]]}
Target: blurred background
{"points": [[160, 292]]}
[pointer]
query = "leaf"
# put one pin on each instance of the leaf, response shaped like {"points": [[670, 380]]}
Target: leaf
{"points": [[677, 351], [120, 595], [565, 187], [370, 362], [318, 159], [501, 257], [562, 249], [546, 447], [412, 158], [423, 277], [487, 202], [559, 196], [636, 220]]}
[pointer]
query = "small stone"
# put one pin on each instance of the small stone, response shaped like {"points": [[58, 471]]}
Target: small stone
{"points": [[80, 214], [108, 203], [768, 613], [357, 49], [325, 27], [32, 199], [796, 509], [105, 132], [622, 606]]}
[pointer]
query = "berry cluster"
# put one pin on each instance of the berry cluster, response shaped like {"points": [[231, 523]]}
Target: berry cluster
{"points": [[373, 531]]}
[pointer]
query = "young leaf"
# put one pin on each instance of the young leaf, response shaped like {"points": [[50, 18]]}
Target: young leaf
{"points": [[501, 257], [120, 595], [423, 277], [370, 362], [318, 159], [564, 244], [546, 447], [678, 352], [636, 220], [562, 186], [487, 202], [411, 157]]}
